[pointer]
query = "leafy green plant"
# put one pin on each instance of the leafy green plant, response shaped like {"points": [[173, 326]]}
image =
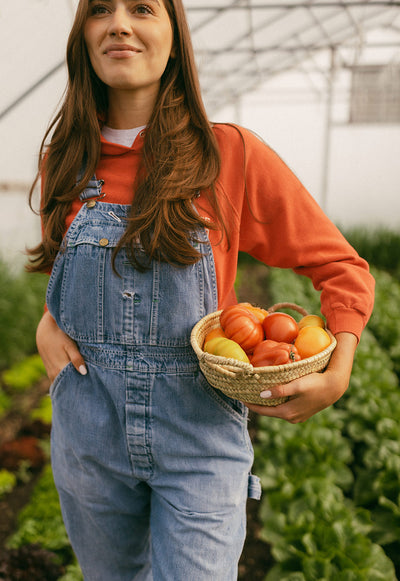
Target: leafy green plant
{"points": [[24, 374], [73, 573], [22, 298], [286, 286], [364, 423], [380, 247], [372, 404], [5, 402], [40, 522], [8, 480], [43, 411], [385, 319]]}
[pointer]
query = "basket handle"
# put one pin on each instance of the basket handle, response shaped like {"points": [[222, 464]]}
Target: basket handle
{"points": [[292, 306], [228, 370]]}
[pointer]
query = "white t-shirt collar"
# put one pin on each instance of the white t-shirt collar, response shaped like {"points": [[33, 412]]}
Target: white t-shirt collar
{"points": [[124, 137]]}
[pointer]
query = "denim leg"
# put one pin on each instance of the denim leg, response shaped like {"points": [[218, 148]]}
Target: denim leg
{"points": [[202, 458], [201, 546], [105, 509]]}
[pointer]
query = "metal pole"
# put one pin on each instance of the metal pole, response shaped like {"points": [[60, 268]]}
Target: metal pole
{"points": [[328, 131], [238, 111], [31, 89], [294, 5]]}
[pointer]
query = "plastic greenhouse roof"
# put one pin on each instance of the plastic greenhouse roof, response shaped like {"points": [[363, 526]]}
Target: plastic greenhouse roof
{"points": [[239, 44]]}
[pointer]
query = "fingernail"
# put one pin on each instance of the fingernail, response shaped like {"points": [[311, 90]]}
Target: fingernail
{"points": [[82, 370], [266, 394]]}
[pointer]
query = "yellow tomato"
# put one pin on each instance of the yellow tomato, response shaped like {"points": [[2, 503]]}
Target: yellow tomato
{"points": [[226, 348], [311, 340], [311, 321]]}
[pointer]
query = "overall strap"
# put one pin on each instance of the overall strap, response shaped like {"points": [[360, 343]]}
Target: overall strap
{"points": [[93, 188]]}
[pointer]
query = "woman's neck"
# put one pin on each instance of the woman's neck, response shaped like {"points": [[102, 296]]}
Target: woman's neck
{"points": [[127, 110]]}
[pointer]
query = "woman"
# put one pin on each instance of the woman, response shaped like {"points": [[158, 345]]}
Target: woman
{"points": [[145, 206]]}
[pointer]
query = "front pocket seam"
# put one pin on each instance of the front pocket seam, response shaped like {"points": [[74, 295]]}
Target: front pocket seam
{"points": [[54, 386], [223, 404]]}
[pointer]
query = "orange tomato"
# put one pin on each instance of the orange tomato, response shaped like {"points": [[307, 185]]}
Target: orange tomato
{"points": [[311, 340], [259, 312], [311, 321], [217, 332]]}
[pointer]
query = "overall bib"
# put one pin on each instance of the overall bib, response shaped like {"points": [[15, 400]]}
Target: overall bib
{"points": [[151, 463]]}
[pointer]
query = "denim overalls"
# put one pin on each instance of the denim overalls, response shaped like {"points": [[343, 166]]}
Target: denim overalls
{"points": [[151, 463]]}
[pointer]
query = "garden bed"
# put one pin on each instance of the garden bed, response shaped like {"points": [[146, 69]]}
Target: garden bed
{"points": [[330, 505]]}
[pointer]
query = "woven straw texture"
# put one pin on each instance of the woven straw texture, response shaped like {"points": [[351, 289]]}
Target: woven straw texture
{"points": [[241, 380]]}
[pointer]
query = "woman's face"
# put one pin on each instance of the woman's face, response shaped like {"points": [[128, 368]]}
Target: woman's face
{"points": [[129, 43]]}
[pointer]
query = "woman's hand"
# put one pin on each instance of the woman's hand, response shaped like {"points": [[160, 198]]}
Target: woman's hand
{"points": [[57, 349], [314, 392]]}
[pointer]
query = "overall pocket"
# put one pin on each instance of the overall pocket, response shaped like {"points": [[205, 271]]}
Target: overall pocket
{"points": [[84, 293], [232, 406], [59, 379]]}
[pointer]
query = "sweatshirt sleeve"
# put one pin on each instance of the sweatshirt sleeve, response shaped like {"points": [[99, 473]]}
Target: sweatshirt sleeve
{"points": [[282, 225]]}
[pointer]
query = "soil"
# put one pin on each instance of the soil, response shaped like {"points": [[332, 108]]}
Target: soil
{"points": [[16, 419], [11, 505], [256, 558], [23, 447]]}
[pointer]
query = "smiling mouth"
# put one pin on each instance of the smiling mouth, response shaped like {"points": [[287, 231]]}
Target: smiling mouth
{"points": [[121, 51]]}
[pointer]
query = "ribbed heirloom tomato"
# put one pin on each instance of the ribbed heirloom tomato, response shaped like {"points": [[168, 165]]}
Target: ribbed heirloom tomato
{"points": [[280, 327], [259, 312], [242, 326]]}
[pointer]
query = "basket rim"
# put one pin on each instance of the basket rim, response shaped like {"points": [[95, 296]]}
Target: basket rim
{"points": [[248, 368]]}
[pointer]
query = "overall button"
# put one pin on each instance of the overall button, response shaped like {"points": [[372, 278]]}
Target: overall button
{"points": [[104, 242], [91, 204]]}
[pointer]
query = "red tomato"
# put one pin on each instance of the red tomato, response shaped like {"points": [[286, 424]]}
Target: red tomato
{"points": [[280, 327], [273, 353], [242, 326]]}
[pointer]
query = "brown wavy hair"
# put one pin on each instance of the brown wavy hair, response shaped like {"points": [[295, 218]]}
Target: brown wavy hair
{"points": [[180, 155]]}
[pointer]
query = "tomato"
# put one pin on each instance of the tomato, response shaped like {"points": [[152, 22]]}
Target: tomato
{"points": [[311, 340], [217, 332], [280, 327], [226, 348], [257, 311], [242, 326], [273, 353], [311, 321]]}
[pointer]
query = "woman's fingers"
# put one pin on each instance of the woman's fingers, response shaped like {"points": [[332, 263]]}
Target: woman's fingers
{"points": [[75, 357], [56, 348]]}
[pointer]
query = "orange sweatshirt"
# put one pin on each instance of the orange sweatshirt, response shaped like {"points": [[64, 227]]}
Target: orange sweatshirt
{"points": [[271, 216]]}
